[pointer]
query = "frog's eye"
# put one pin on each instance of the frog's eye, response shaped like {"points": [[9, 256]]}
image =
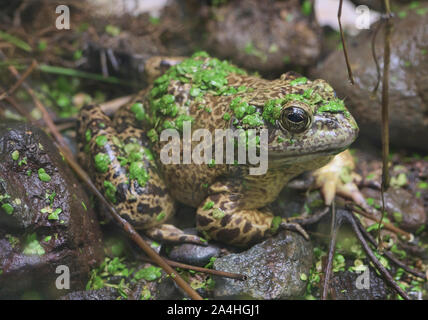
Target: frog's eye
{"points": [[294, 119]]}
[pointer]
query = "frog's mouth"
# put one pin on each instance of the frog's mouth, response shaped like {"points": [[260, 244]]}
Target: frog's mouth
{"points": [[284, 158]]}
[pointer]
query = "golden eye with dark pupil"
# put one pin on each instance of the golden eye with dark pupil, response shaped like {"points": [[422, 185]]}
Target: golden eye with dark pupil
{"points": [[294, 119]]}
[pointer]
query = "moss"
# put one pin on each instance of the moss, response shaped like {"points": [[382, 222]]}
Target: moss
{"points": [[149, 273], [22, 161], [88, 135], [307, 7], [334, 106], [253, 120], [181, 119], [15, 155], [110, 191], [102, 162], [55, 214], [276, 222], [138, 110], [206, 74], [138, 172], [32, 246], [7, 208], [297, 81], [43, 176], [160, 216], [241, 108], [152, 135], [208, 205], [272, 110], [101, 140], [218, 213]]}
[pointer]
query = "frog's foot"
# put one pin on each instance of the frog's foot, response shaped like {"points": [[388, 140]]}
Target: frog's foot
{"points": [[223, 217], [169, 233], [338, 177], [293, 226]]}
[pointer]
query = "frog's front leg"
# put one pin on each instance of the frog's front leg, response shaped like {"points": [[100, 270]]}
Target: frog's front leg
{"points": [[223, 217], [124, 169]]}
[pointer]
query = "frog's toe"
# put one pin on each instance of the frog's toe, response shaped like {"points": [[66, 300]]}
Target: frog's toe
{"points": [[287, 225], [337, 177], [170, 233]]}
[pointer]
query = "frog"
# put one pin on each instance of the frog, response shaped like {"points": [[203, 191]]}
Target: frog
{"points": [[307, 125]]}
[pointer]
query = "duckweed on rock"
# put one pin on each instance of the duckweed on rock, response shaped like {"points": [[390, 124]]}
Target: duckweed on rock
{"points": [[7, 208], [43, 176]]}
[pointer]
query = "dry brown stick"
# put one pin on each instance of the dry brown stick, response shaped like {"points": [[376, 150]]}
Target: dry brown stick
{"points": [[342, 36], [225, 274], [386, 225], [85, 178], [385, 110], [20, 81]]}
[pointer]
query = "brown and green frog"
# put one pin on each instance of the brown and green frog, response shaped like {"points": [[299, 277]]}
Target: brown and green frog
{"points": [[307, 125]]}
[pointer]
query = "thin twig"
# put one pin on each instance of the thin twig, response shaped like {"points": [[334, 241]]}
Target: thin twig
{"points": [[386, 225], [19, 82], [219, 273], [376, 32], [385, 111], [389, 254], [345, 50]]}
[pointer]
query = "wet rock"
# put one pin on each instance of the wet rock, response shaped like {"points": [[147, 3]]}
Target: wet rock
{"points": [[273, 268], [401, 206], [45, 217], [101, 294], [193, 254], [166, 289], [263, 37], [343, 287], [408, 94]]}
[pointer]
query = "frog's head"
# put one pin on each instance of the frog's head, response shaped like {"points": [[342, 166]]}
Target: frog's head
{"points": [[307, 123]]}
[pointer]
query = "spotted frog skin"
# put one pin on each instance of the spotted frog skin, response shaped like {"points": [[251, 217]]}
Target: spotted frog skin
{"points": [[307, 125]]}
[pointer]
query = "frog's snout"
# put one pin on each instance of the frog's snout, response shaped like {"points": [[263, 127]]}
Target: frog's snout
{"points": [[334, 131]]}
